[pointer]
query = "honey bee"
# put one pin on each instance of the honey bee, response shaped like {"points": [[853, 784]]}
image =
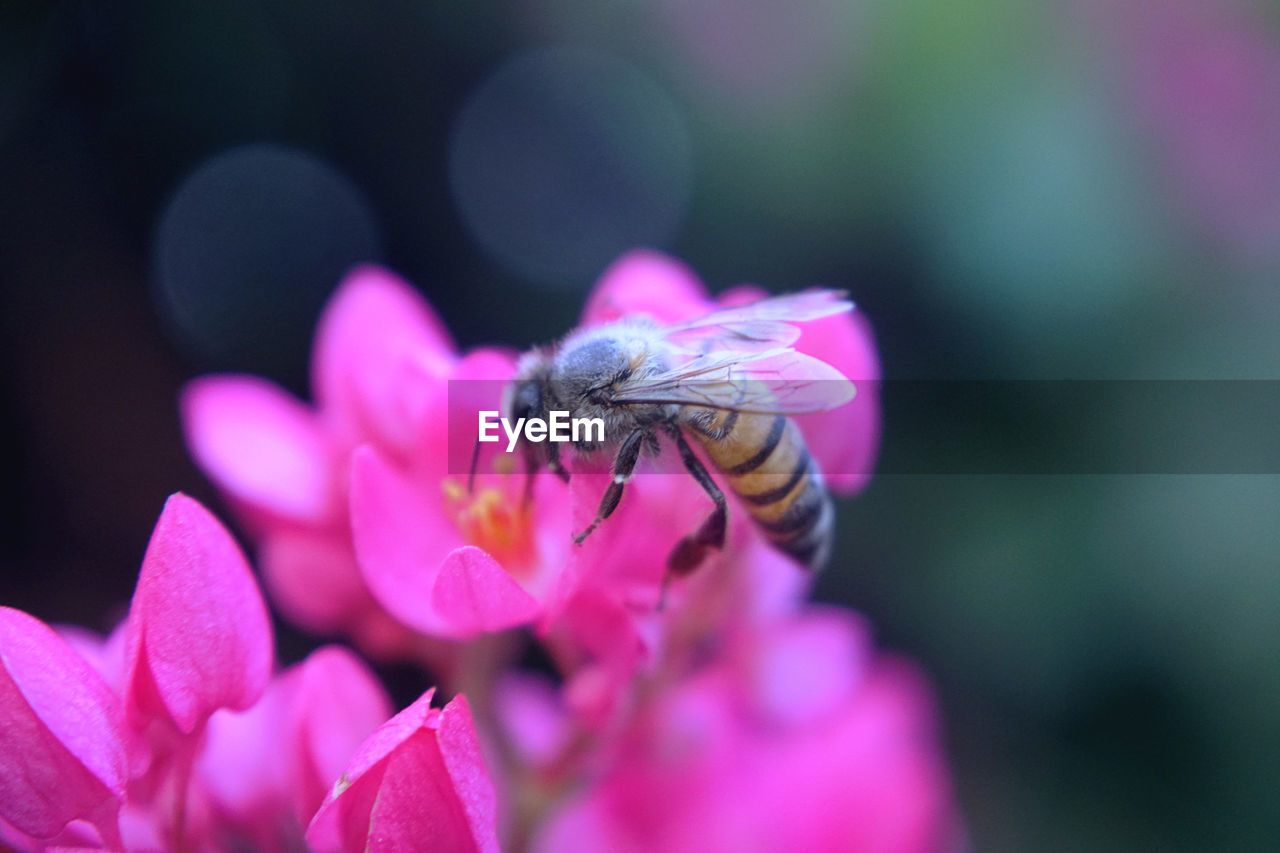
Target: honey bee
{"points": [[728, 380]]}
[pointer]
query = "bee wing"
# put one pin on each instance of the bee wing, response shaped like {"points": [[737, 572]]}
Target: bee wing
{"points": [[757, 327], [773, 381]]}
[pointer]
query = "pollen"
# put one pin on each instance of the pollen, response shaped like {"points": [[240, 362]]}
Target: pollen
{"points": [[494, 520]]}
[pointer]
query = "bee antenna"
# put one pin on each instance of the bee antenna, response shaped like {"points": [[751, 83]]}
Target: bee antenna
{"points": [[475, 461]]}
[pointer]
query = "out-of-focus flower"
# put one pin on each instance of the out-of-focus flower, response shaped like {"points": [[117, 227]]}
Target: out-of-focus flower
{"points": [[266, 770], [418, 779], [283, 464], [1204, 80], [798, 739]]}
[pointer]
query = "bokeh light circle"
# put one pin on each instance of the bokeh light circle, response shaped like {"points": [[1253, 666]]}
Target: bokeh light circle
{"points": [[564, 158], [249, 247]]}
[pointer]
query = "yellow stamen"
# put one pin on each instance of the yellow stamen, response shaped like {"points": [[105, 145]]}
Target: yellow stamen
{"points": [[490, 519]]}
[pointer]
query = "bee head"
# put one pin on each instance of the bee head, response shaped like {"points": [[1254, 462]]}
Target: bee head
{"points": [[525, 399]]}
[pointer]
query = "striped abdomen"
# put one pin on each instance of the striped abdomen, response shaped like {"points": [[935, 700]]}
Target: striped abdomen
{"points": [[766, 463]]}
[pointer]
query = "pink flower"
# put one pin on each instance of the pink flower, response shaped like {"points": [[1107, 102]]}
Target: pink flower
{"points": [[283, 464], [108, 734], [733, 716], [198, 635], [62, 739], [197, 641], [408, 544], [171, 733], [266, 770], [381, 372], [443, 560], [797, 739], [418, 778]]}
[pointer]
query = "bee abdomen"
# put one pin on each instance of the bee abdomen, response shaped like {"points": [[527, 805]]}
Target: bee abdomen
{"points": [[767, 464]]}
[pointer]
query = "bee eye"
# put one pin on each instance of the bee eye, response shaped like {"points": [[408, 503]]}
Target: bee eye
{"points": [[526, 402]]}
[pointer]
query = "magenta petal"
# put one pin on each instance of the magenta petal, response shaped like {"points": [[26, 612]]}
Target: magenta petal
{"points": [[810, 666], [471, 781], [374, 340], [199, 629], [646, 282], [240, 765], [401, 538], [474, 595], [342, 822], [104, 654], [337, 705], [487, 363], [420, 776], [262, 446], [62, 747], [531, 713], [415, 802], [312, 578]]}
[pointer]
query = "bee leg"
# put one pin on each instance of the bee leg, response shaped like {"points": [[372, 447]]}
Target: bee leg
{"points": [[623, 464], [692, 549]]}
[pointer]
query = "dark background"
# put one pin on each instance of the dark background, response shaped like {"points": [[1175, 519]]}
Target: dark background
{"points": [[1010, 191]]}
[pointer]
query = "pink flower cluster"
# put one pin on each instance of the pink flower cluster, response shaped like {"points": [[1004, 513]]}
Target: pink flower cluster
{"points": [[173, 733], [733, 716]]}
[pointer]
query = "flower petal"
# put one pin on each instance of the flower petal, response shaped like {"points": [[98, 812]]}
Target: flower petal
{"points": [[338, 704], [342, 821], [420, 775], [199, 635], [401, 539], [646, 282], [262, 446], [376, 336], [475, 595], [414, 561], [694, 772], [62, 742], [464, 761], [312, 577], [531, 713], [808, 667], [104, 654], [240, 764]]}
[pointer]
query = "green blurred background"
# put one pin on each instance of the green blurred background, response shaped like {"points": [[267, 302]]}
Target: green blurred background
{"points": [[1070, 190]]}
